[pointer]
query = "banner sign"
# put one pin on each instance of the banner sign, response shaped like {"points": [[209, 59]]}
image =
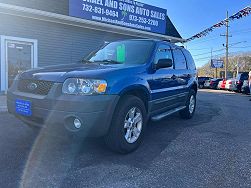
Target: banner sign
{"points": [[217, 63], [127, 13], [241, 14]]}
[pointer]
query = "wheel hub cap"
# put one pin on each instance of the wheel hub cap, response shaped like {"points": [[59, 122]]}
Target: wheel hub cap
{"points": [[133, 125], [192, 104]]}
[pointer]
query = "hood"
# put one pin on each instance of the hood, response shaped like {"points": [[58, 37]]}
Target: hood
{"points": [[61, 72]]}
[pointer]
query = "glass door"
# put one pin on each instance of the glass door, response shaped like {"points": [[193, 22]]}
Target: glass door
{"points": [[19, 58]]}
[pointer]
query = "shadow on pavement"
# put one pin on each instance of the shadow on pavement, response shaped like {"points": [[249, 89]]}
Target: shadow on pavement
{"points": [[59, 160]]}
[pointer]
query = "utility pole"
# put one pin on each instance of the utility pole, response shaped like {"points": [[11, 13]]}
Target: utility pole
{"points": [[238, 66], [211, 56], [227, 46]]}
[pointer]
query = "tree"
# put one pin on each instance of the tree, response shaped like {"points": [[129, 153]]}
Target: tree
{"points": [[243, 60]]}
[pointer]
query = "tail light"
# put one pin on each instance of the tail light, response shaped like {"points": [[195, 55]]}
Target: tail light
{"points": [[230, 82]]}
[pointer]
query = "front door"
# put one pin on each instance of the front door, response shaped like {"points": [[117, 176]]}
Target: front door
{"points": [[20, 55], [19, 58], [163, 83]]}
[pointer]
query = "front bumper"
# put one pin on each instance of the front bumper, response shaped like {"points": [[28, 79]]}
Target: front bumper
{"points": [[56, 109], [231, 87]]}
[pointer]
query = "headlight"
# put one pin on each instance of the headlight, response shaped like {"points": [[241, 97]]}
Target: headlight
{"points": [[77, 86]]}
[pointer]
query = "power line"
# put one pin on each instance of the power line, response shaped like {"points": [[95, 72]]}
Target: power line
{"points": [[206, 40], [236, 43], [209, 52], [242, 47], [217, 55], [242, 31], [198, 49], [209, 57], [230, 46]]}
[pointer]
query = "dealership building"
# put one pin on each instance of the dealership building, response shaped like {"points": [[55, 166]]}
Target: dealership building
{"points": [[38, 33]]}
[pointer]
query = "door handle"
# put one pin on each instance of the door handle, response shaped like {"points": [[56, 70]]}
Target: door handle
{"points": [[174, 77]]}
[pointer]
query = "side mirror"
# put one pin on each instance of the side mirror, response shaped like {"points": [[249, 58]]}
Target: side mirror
{"points": [[164, 63]]}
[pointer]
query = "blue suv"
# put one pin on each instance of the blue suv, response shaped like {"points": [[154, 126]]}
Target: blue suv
{"points": [[113, 92]]}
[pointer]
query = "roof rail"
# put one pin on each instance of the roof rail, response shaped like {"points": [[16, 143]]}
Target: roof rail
{"points": [[167, 40]]}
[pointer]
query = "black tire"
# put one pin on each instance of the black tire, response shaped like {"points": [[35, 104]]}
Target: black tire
{"points": [[186, 114], [201, 86], [115, 139]]}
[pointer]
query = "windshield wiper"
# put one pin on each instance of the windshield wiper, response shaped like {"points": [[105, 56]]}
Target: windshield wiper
{"points": [[85, 61], [108, 61]]}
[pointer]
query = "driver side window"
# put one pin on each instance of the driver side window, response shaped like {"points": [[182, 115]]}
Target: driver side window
{"points": [[164, 52]]}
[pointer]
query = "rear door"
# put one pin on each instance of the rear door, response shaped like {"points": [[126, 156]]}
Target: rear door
{"points": [[183, 74]]}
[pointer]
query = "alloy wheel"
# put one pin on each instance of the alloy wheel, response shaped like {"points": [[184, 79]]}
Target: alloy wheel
{"points": [[133, 125]]}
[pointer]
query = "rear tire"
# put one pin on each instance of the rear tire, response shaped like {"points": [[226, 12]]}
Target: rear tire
{"points": [[189, 111], [128, 125]]}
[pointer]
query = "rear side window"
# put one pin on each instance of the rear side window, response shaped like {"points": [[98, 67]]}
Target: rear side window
{"points": [[244, 76], [201, 79], [179, 59], [190, 61]]}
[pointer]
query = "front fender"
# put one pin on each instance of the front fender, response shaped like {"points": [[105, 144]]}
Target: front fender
{"points": [[129, 84]]}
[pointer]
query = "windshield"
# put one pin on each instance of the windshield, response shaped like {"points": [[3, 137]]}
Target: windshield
{"points": [[123, 52]]}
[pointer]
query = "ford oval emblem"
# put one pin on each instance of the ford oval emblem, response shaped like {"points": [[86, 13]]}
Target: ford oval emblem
{"points": [[32, 86]]}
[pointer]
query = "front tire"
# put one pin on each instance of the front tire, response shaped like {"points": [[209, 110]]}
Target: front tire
{"points": [[189, 111], [128, 125]]}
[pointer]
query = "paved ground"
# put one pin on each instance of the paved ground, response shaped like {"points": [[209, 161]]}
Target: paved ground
{"points": [[3, 105], [211, 150]]}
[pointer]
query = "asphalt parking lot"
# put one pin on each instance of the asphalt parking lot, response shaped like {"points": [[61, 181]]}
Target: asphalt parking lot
{"points": [[211, 150]]}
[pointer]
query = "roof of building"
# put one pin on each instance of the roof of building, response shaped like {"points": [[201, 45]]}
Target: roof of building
{"points": [[171, 29]]}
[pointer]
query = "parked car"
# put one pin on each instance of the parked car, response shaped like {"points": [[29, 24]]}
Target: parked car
{"points": [[231, 85], [245, 88], [222, 84], [215, 82], [112, 93], [207, 84], [202, 80], [240, 79], [219, 84]]}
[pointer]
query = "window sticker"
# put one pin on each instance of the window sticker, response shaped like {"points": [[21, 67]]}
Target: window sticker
{"points": [[121, 53]]}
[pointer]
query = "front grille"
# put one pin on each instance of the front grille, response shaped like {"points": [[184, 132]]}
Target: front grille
{"points": [[38, 87]]}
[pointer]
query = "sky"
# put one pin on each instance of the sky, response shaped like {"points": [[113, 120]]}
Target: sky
{"points": [[192, 16]]}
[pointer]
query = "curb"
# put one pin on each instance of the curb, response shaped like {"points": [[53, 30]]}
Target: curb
{"points": [[3, 109], [3, 101]]}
